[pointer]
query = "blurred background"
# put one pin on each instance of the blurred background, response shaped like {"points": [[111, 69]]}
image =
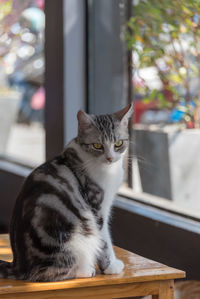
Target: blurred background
{"points": [[57, 57], [22, 93]]}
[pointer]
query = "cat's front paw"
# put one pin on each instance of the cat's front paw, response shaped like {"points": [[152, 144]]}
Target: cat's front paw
{"points": [[115, 267], [86, 273]]}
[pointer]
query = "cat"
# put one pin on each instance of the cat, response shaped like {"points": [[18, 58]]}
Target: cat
{"points": [[60, 224]]}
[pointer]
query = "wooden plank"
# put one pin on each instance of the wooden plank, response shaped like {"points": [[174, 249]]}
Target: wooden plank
{"points": [[99, 292], [137, 269], [5, 250], [4, 240], [166, 290]]}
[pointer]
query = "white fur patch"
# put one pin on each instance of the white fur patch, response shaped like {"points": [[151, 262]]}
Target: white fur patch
{"points": [[115, 268], [86, 250]]}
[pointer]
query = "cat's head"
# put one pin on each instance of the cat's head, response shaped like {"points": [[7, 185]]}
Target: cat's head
{"points": [[105, 136]]}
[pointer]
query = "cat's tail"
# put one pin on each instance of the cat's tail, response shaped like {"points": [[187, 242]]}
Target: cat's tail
{"points": [[6, 270]]}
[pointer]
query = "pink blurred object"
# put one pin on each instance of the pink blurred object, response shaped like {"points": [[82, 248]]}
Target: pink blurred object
{"points": [[40, 4], [38, 99]]}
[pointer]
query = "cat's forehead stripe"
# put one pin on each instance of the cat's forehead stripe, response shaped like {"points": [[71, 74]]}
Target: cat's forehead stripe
{"points": [[105, 124]]}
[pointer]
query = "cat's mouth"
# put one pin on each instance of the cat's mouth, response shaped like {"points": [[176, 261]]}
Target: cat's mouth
{"points": [[110, 162]]}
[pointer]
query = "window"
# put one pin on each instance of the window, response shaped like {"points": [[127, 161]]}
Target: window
{"points": [[166, 137], [22, 93]]}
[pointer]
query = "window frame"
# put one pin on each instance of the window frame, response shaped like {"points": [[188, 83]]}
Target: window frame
{"points": [[54, 77]]}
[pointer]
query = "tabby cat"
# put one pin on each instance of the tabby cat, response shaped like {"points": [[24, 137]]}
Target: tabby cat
{"points": [[60, 224]]}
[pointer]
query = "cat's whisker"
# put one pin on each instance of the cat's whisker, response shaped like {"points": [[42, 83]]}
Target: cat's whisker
{"points": [[139, 159], [144, 165]]}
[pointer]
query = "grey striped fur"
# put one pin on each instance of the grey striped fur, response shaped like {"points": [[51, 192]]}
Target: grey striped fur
{"points": [[62, 212]]}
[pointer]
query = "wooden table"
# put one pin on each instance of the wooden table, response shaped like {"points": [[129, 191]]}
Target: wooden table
{"points": [[140, 277]]}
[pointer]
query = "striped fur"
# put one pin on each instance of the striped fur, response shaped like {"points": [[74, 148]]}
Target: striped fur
{"points": [[59, 229]]}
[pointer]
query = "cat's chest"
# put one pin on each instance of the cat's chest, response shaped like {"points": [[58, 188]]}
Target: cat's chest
{"points": [[109, 178]]}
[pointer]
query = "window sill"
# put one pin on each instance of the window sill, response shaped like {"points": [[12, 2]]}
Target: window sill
{"points": [[159, 203], [11, 167], [158, 215]]}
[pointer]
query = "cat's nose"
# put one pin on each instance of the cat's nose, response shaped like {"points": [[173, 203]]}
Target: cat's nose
{"points": [[109, 159]]}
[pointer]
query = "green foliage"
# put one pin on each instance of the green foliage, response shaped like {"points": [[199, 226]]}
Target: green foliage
{"points": [[165, 34]]}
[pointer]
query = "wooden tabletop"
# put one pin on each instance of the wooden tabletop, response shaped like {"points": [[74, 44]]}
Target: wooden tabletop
{"points": [[137, 269]]}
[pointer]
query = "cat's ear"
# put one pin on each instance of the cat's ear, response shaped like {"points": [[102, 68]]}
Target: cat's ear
{"points": [[125, 114], [84, 120]]}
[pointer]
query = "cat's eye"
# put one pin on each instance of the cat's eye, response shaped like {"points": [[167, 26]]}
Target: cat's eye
{"points": [[98, 146], [118, 143]]}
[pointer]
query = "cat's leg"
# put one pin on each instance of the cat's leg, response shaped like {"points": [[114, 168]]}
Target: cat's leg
{"points": [[85, 272], [108, 262], [85, 269], [86, 261]]}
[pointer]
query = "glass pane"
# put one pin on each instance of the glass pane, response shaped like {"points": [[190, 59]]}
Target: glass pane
{"points": [[107, 57], [165, 42], [22, 94]]}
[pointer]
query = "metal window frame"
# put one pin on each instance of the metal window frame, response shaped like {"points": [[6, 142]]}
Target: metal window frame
{"points": [[54, 77]]}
